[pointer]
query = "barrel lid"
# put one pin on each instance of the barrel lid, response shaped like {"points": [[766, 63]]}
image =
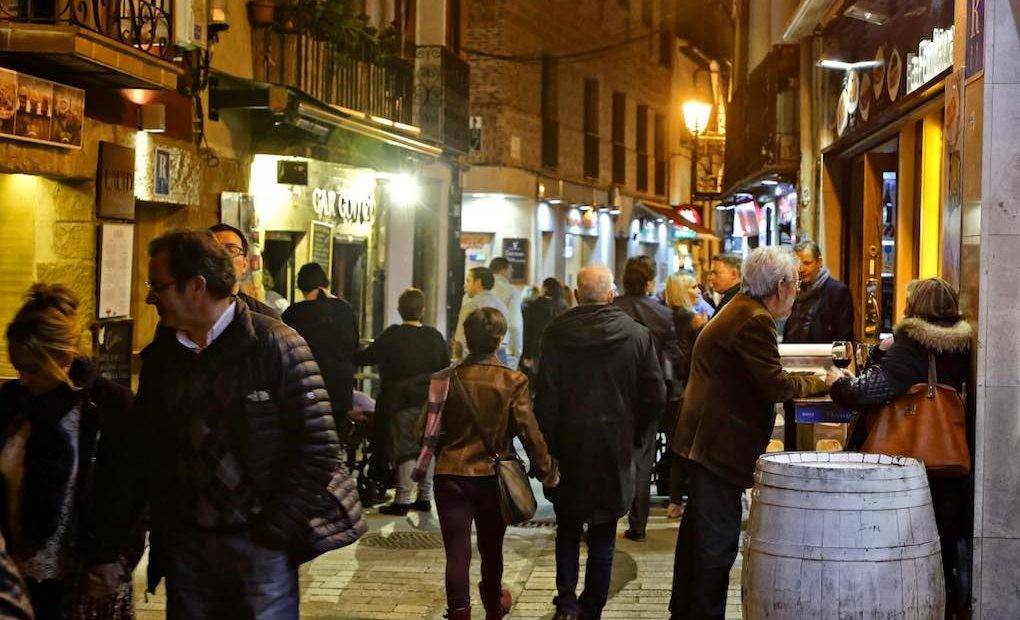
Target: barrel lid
{"points": [[840, 465]]}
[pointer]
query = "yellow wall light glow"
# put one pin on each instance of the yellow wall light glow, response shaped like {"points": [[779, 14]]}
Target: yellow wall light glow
{"points": [[931, 197]]}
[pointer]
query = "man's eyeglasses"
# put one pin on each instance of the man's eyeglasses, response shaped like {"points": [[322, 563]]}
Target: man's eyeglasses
{"points": [[235, 251], [158, 288]]}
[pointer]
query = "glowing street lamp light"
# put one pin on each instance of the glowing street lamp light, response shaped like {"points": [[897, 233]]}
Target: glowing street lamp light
{"points": [[696, 115]]}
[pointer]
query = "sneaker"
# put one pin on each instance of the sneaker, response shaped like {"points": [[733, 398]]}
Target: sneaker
{"points": [[395, 509], [632, 535], [422, 505]]}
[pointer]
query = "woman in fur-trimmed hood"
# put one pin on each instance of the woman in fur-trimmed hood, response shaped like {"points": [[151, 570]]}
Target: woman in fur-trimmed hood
{"points": [[933, 324]]}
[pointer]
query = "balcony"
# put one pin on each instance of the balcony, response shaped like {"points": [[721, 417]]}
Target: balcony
{"points": [[762, 134], [354, 79], [95, 43], [441, 97]]}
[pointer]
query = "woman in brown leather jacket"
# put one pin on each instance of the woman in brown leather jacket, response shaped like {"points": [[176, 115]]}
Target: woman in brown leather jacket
{"points": [[465, 481]]}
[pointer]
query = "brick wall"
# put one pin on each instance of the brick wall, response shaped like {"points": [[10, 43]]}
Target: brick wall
{"points": [[506, 94]]}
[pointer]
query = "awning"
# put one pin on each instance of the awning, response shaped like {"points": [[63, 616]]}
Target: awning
{"points": [[315, 117], [670, 213]]}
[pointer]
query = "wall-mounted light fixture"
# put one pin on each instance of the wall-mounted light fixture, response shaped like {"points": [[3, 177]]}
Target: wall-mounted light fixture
{"points": [[152, 117], [842, 65]]}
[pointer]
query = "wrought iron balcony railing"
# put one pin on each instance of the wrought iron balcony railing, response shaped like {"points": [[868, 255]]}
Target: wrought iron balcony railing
{"points": [[357, 80], [142, 24]]}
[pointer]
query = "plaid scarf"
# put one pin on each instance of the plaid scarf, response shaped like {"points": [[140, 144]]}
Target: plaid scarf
{"points": [[439, 388]]}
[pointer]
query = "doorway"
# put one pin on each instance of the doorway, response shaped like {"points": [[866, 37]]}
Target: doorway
{"points": [[348, 275], [278, 261], [870, 242]]}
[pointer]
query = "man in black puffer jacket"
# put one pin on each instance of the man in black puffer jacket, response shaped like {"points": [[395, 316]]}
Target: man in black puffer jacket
{"points": [[235, 444]]}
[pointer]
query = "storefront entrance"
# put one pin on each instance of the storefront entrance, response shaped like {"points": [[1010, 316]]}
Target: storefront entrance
{"points": [[348, 274], [278, 260], [888, 227]]}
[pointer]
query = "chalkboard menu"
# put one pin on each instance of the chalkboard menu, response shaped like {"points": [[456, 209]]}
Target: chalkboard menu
{"points": [[515, 250], [321, 246], [111, 349]]}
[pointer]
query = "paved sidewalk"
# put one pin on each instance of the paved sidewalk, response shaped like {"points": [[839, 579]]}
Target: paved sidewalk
{"points": [[396, 572]]}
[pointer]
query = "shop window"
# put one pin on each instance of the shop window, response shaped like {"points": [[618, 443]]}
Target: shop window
{"points": [[619, 138], [660, 155], [591, 128], [642, 148], [550, 122]]}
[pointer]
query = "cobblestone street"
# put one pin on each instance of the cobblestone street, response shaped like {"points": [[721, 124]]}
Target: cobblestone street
{"points": [[396, 572]]}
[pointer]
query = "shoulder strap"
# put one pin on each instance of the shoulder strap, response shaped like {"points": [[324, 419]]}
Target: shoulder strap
{"points": [[932, 375], [473, 413]]}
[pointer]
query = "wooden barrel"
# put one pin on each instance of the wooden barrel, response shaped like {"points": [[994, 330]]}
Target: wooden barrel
{"points": [[841, 535]]}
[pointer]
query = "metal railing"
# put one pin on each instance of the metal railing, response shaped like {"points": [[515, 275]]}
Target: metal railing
{"points": [[143, 24], [355, 79]]}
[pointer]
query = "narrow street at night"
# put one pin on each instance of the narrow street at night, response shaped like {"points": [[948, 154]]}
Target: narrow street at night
{"points": [[396, 573], [526, 309]]}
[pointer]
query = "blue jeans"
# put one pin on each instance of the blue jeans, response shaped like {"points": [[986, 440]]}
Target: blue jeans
{"points": [[213, 575], [598, 570]]}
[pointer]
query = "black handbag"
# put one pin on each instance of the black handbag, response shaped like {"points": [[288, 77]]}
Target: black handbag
{"points": [[517, 502]]}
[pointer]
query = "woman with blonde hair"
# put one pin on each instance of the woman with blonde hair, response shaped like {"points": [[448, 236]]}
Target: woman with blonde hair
{"points": [[933, 326], [682, 293], [61, 427]]}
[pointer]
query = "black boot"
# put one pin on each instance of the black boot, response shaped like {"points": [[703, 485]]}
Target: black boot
{"points": [[395, 509]]}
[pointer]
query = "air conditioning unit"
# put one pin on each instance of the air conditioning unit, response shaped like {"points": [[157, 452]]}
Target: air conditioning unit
{"points": [[190, 23]]}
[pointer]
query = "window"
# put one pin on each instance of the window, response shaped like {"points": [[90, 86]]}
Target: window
{"points": [[591, 128], [665, 44], [660, 155], [550, 122], [647, 12], [619, 138], [642, 148]]}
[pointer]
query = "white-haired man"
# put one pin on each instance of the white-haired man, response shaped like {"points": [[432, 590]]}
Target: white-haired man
{"points": [[599, 386], [725, 423]]}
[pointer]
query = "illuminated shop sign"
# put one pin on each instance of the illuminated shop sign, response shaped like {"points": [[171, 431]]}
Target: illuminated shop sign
{"points": [[344, 205], [933, 56]]}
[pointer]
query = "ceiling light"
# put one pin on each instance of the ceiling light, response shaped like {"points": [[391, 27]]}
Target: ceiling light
{"points": [[854, 11], [770, 182]]}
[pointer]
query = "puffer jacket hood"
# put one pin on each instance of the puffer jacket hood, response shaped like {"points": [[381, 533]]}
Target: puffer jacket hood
{"points": [[590, 327]]}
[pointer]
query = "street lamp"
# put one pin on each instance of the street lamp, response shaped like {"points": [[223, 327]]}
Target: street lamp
{"points": [[696, 115]]}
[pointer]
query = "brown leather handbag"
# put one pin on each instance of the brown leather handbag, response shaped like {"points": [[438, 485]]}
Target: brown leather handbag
{"points": [[928, 423], [517, 502]]}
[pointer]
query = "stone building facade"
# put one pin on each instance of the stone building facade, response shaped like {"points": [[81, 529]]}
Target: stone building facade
{"points": [[559, 91]]}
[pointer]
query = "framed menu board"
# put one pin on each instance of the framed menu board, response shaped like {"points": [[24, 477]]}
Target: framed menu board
{"points": [[116, 256], [515, 250], [320, 248], [111, 349]]}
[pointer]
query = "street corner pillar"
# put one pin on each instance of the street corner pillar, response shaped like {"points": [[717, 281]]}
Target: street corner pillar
{"points": [[997, 468]]}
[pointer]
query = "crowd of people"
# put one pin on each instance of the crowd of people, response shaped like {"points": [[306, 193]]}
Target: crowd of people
{"points": [[230, 455]]}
